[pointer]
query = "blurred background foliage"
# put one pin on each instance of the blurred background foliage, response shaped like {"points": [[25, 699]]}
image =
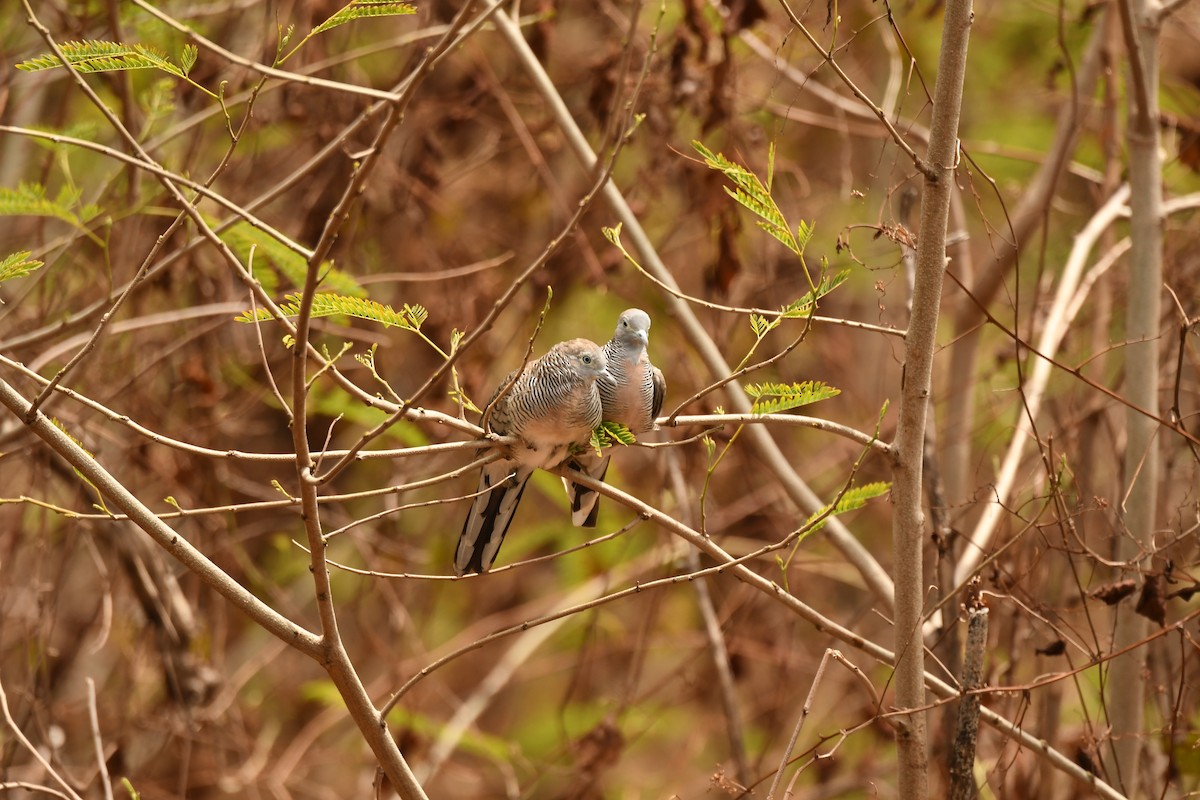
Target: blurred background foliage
{"points": [[620, 700]]}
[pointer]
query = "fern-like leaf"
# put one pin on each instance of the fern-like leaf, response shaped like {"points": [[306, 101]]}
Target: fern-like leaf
{"points": [[782, 234], [761, 325], [364, 9], [749, 191], [18, 264], [29, 199], [416, 315], [328, 305], [771, 398], [100, 56], [853, 498], [607, 434], [187, 59], [288, 262], [804, 232], [802, 306]]}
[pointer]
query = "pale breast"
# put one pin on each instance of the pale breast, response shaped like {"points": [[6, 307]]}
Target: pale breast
{"points": [[630, 400]]}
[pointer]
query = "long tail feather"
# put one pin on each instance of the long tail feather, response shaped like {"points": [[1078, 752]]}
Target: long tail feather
{"points": [[585, 503], [490, 515]]}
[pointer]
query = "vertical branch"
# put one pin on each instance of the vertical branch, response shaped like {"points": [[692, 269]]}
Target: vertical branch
{"points": [[334, 658], [908, 521], [1126, 684], [962, 757], [1031, 209]]}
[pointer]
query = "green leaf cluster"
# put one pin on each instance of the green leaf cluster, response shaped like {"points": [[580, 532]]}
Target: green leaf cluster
{"points": [[853, 498], [771, 398], [29, 199], [802, 306], [100, 56], [243, 236], [355, 9], [410, 317], [607, 434], [750, 191], [364, 9], [18, 264]]}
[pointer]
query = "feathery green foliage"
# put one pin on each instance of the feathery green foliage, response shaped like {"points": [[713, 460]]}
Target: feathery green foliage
{"points": [[292, 265], [187, 59], [364, 9], [100, 56], [750, 191], [607, 434], [853, 498], [803, 306], [410, 317], [29, 199], [93, 55], [771, 398], [761, 325], [18, 264]]}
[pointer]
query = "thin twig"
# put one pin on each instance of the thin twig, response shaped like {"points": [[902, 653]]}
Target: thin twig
{"points": [[97, 740], [804, 711]]}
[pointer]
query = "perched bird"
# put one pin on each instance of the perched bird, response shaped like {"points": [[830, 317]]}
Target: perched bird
{"points": [[634, 399], [553, 404]]}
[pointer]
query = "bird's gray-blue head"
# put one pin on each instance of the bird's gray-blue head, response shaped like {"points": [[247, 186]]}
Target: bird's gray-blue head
{"points": [[633, 328]]}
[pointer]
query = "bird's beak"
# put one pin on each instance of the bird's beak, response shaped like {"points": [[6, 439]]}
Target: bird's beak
{"points": [[644, 338], [606, 377]]}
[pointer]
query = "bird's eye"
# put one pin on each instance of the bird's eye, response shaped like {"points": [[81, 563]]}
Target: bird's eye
{"points": [[587, 359], [624, 323]]}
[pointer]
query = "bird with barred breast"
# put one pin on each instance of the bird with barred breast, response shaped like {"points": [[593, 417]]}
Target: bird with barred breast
{"points": [[551, 406]]}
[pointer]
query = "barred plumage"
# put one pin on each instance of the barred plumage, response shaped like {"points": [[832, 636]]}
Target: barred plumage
{"points": [[634, 399], [553, 404]]}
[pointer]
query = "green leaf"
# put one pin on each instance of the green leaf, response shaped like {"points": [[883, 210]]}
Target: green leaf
{"points": [[292, 265], [770, 398], [803, 306], [607, 434], [187, 59], [29, 199], [761, 325], [853, 498], [804, 232], [749, 191], [618, 433], [416, 315], [363, 9], [18, 264], [100, 56], [409, 317]]}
